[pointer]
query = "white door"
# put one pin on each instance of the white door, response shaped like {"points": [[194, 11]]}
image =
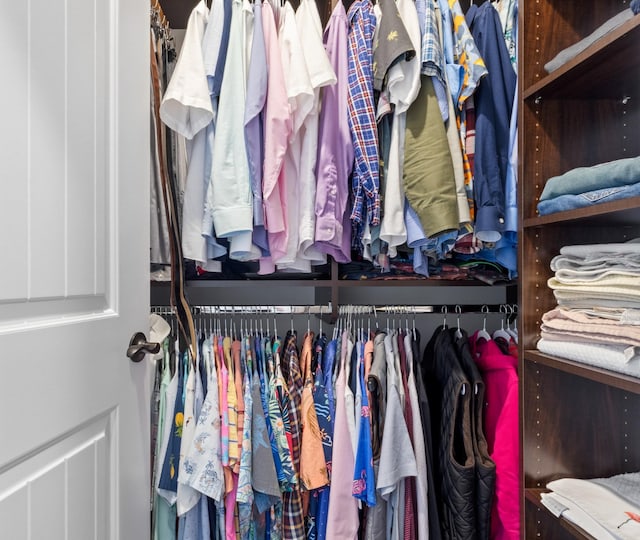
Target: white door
{"points": [[74, 228]]}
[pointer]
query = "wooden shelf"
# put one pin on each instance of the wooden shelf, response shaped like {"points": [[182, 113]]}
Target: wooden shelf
{"points": [[225, 283], [607, 59], [532, 495], [625, 211], [328, 283], [600, 375]]}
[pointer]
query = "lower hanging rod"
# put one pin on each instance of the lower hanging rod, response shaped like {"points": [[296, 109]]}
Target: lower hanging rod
{"points": [[343, 309]]}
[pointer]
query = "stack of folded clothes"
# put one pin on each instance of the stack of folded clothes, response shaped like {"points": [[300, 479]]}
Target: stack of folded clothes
{"points": [[586, 186], [606, 508], [597, 320], [608, 26]]}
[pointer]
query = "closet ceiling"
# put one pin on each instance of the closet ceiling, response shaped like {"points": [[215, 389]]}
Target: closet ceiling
{"points": [[177, 11]]}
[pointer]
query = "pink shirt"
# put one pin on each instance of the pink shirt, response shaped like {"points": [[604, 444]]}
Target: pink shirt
{"points": [[278, 129], [342, 519]]}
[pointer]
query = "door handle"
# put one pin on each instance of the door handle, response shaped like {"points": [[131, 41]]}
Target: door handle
{"points": [[139, 346]]}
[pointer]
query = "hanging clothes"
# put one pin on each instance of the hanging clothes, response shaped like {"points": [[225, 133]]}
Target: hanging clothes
{"points": [[361, 436], [449, 394], [499, 371], [485, 468]]}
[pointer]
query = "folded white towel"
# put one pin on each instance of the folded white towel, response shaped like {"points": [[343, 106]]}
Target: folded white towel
{"points": [[588, 501], [598, 355]]}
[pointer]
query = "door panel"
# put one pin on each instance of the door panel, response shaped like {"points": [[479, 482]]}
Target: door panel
{"points": [[57, 490], [74, 284], [62, 161]]}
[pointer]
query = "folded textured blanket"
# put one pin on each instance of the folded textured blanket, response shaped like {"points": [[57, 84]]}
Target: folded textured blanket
{"points": [[615, 279], [630, 351], [626, 485], [571, 52], [602, 263], [583, 179], [557, 334], [579, 300], [593, 275], [623, 288], [624, 316], [609, 357], [597, 506], [571, 322], [593, 252]]}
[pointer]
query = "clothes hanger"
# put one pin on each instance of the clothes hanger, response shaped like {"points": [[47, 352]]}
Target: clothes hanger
{"points": [[513, 332], [501, 332], [458, 333], [483, 332], [375, 317], [415, 334], [275, 326]]}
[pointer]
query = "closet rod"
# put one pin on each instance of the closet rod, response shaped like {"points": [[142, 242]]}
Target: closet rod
{"points": [[247, 310], [344, 309]]}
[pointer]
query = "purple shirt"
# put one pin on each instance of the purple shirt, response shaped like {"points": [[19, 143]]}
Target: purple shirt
{"points": [[335, 149]]}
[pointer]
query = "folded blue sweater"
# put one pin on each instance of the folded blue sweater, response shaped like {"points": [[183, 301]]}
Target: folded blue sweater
{"points": [[621, 172]]}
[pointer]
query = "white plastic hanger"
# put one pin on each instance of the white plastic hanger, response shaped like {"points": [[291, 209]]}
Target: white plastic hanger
{"points": [[483, 334], [502, 332], [458, 331]]}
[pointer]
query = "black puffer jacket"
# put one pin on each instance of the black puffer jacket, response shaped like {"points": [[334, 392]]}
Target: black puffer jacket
{"points": [[485, 468], [449, 394]]}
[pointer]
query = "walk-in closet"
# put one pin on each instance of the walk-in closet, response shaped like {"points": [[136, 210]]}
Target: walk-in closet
{"points": [[320, 270]]}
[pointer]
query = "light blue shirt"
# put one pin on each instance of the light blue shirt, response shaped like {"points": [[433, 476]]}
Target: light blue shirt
{"points": [[424, 247], [232, 205], [253, 125]]}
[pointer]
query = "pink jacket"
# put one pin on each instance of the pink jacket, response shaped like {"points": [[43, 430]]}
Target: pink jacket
{"points": [[499, 372]]}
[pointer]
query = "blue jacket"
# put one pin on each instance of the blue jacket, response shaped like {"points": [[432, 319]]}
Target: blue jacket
{"points": [[493, 102]]}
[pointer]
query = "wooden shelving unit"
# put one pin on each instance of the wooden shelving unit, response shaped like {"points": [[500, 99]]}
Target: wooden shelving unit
{"points": [[576, 420]]}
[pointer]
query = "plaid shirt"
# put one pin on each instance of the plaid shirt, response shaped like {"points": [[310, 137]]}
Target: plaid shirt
{"points": [[432, 56], [292, 512], [362, 115]]}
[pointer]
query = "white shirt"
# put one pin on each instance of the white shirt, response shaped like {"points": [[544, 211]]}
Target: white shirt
{"points": [[232, 198], [205, 466], [403, 86], [186, 107], [301, 99], [212, 39]]}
